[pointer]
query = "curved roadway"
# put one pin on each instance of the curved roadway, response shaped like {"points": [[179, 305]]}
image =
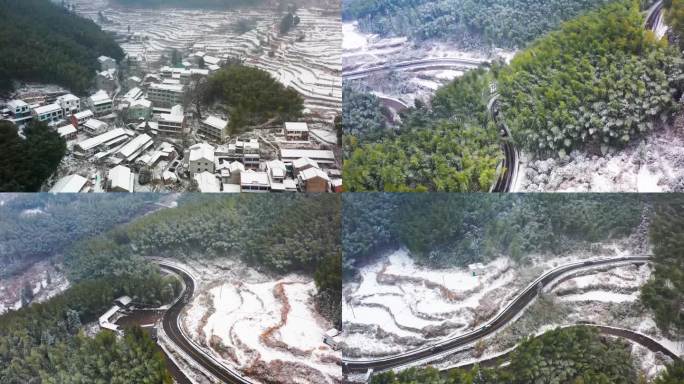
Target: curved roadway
{"points": [[510, 162], [635, 337], [172, 328], [506, 315], [416, 65]]}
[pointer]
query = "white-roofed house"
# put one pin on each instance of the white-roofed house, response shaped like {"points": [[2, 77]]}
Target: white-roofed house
{"points": [[19, 110], [135, 148], [214, 128], [67, 132], [251, 181], [207, 182], [70, 184], [50, 113], [302, 164], [277, 171], [94, 127], [107, 140], [320, 156], [133, 94], [201, 158], [120, 179], [78, 119], [70, 104], [295, 131], [101, 103], [123, 301], [235, 168], [138, 110], [165, 95], [172, 124], [313, 180], [211, 60]]}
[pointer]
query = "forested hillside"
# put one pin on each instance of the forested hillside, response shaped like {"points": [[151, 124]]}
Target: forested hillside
{"points": [[273, 233], [499, 23], [457, 229], [43, 42], [252, 96], [35, 226], [45, 342], [664, 292], [451, 147], [601, 81], [363, 117], [564, 356], [26, 162]]}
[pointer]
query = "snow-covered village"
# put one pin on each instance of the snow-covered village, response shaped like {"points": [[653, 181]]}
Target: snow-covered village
{"points": [[146, 124]]}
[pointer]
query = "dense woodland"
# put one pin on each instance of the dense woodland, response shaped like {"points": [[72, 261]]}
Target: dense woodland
{"points": [[458, 229], [363, 117], [45, 343], [664, 292], [488, 23], [26, 162], [252, 97], [601, 81], [564, 356], [38, 226], [43, 42], [273, 233], [598, 83], [434, 149]]}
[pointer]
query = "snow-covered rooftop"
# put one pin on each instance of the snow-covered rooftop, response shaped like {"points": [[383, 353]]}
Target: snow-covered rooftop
{"points": [[66, 130], [100, 139], [207, 182], [69, 184], [202, 151], [121, 177], [296, 127], [312, 173], [47, 109], [84, 114], [100, 97], [252, 178], [320, 156], [215, 122]]}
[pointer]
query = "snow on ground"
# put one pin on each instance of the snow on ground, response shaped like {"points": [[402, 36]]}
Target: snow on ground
{"points": [[265, 327], [652, 164], [362, 51], [605, 296], [307, 58], [352, 39], [396, 305], [37, 277], [398, 299]]}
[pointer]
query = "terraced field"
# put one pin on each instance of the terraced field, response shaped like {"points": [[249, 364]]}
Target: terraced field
{"points": [[308, 58]]}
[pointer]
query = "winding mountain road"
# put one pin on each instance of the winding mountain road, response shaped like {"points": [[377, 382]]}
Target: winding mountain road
{"points": [[511, 161], [503, 318], [173, 329], [635, 337], [429, 64]]}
